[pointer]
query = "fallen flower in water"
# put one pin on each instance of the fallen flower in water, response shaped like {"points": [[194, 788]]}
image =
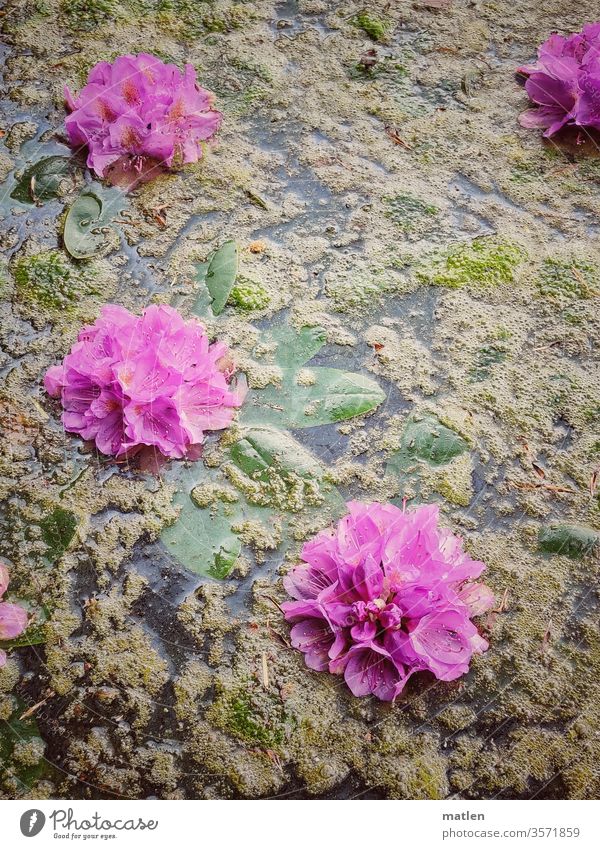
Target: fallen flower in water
{"points": [[13, 618], [564, 83], [150, 380], [385, 594], [139, 109]]}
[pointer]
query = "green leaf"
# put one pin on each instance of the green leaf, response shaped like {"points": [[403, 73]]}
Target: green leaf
{"points": [[427, 439], [202, 539], [218, 274], [15, 732], [263, 449], [334, 396], [574, 541], [58, 529], [270, 480], [41, 181], [85, 231], [292, 353]]}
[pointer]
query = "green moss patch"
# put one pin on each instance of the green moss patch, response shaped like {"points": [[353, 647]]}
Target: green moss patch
{"points": [[376, 28], [481, 262], [408, 212], [248, 295], [49, 280], [563, 280]]}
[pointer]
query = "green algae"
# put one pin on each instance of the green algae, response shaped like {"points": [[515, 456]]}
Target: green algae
{"points": [[236, 712], [248, 295], [408, 211], [88, 14], [46, 279], [563, 280], [485, 359], [376, 28], [483, 262]]}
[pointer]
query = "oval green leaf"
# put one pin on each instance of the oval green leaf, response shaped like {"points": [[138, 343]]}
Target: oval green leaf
{"points": [[574, 541], [82, 236], [331, 396], [218, 274], [427, 439]]}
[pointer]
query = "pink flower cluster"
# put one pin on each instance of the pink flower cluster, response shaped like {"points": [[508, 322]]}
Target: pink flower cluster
{"points": [[13, 618], [138, 108], [564, 83], [151, 380], [384, 595]]}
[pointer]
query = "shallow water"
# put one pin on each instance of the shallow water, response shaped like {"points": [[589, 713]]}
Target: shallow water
{"points": [[148, 676]]}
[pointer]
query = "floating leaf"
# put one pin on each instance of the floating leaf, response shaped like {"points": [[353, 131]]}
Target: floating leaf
{"points": [[58, 529], [202, 540], [329, 395], [218, 274], [427, 439], [41, 181], [307, 343], [85, 231], [263, 449], [575, 541], [271, 479]]}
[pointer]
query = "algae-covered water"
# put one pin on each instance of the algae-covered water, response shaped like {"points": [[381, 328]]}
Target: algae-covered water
{"points": [[373, 174]]}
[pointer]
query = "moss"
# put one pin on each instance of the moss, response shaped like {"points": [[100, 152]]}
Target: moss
{"points": [[482, 262], [408, 211], [248, 295], [376, 28], [485, 358], [49, 280], [562, 280], [88, 14], [454, 484], [235, 712]]}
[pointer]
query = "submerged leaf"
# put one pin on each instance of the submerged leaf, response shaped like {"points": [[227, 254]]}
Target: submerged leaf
{"points": [[270, 480], [58, 529], [329, 395], [263, 448], [292, 354], [15, 734], [202, 540], [574, 541], [41, 181], [427, 439], [84, 233]]}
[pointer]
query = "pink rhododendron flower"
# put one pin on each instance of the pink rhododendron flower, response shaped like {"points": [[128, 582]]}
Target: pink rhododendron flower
{"points": [[385, 594], [137, 109], [151, 380], [564, 83], [13, 618]]}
